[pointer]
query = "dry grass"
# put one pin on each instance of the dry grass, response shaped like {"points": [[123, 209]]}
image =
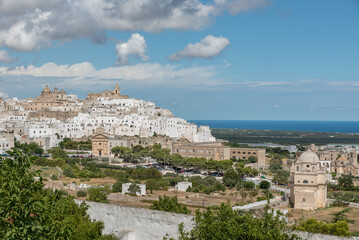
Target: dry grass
{"points": [[325, 214], [192, 200], [92, 181]]}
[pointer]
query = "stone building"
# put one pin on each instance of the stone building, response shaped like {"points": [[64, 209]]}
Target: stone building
{"points": [[327, 159], [346, 165], [6, 142], [210, 150], [115, 94], [308, 182], [103, 143], [100, 143], [245, 153]]}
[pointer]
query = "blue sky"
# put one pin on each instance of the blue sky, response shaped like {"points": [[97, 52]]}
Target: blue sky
{"points": [[249, 59]]}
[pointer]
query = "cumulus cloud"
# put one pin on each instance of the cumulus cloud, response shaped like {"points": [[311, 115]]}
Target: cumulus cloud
{"points": [[6, 58], [135, 46], [83, 74], [209, 47], [37, 23]]}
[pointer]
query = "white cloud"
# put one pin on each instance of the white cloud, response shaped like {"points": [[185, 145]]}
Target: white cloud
{"points": [[6, 58], [209, 47], [37, 23], [135, 46], [83, 74]]}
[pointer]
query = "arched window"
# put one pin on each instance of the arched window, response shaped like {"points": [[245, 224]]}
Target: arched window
{"points": [[297, 168], [305, 181]]}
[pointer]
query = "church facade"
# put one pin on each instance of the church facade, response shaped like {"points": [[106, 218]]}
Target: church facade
{"points": [[308, 183]]}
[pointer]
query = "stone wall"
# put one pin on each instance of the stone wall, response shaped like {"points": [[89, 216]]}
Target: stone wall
{"points": [[137, 223]]}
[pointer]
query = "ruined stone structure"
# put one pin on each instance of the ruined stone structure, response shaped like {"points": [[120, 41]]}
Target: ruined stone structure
{"points": [[308, 183]]}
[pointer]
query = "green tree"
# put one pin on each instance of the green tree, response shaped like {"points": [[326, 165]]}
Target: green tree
{"points": [[339, 228], [281, 177], [345, 182], [151, 184], [223, 222], [58, 153], [122, 152], [30, 148], [32, 212], [170, 205], [152, 173], [341, 216], [264, 185], [68, 172], [98, 194], [134, 188], [252, 159], [248, 185], [117, 186], [230, 178]]}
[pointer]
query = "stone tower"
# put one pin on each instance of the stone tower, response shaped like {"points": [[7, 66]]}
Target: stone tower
{"points": [[308, 183], [117, 89]]}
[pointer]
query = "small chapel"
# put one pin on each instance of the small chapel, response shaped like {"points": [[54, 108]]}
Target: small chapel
{"points": [[308, 182]]}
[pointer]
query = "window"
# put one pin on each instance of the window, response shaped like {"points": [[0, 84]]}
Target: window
{"points": [[303, 200], [305, 181], [297, 168]]}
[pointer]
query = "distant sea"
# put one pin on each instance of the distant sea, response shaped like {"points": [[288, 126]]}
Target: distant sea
{"points": [[310, 126]]}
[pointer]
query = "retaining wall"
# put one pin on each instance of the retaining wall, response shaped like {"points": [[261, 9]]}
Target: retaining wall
{"points": [[130, 223]]}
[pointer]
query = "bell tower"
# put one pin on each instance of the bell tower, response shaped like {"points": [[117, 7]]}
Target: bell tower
{"points": [[117, 89]]}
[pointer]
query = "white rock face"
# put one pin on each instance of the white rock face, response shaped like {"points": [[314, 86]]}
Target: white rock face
{"points": [[137, 223]]}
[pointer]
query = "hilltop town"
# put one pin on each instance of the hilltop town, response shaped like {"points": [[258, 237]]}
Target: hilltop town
{"points": [[55, 115], [119, 151]]}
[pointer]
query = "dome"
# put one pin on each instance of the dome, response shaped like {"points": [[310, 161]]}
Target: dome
{"points": [[308, 157], [100, 131], [46, 90]]}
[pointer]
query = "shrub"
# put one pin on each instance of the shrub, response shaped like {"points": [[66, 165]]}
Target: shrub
{"points": [[54, 177], [264, 185], [170, 205], [81, 193], [117, 186], [222, 222], [339, 228], [98, 194], [249, 185]]}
